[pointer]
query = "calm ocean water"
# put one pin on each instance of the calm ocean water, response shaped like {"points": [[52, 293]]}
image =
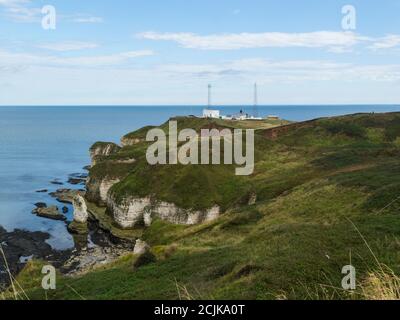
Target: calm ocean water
{"points": [[40, 144]]}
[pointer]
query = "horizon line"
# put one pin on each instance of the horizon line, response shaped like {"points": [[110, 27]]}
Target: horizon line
{"points": [[203, 106]]}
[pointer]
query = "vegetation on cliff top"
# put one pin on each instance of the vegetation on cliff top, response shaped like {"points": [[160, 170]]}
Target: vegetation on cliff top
{"points": [[327, 196], [192, 187]]}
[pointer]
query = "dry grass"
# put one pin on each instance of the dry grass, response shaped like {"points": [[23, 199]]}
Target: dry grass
{"points": [[381, 285], [184, 293]]}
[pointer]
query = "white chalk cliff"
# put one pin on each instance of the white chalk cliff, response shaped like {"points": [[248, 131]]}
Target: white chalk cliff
{"points": [[102, 150], [141, 211]]}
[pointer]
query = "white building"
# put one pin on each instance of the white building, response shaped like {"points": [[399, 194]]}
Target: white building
{"points": [[208, 113], [240, 116]]}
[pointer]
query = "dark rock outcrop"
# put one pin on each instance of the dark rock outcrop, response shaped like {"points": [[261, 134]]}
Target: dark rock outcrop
{"points": [[49, 213], [20, 246], [66, 195]]}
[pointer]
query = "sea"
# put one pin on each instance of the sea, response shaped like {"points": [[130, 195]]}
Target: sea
{"points": [[40, 145]]}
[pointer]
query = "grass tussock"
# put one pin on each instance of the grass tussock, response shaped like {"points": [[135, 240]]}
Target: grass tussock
{"points": [[381, 285]]}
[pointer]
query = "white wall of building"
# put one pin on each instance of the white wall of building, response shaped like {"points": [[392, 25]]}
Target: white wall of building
{"points": [[207, 113]]}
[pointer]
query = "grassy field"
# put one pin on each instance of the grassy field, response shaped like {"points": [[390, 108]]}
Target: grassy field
{"points": [[327, 196]]}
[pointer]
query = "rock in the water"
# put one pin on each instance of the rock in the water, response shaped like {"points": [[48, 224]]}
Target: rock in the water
{"points": [[19, 246], [42, 191], [66, 195], [65, 210], [78, 175], [77, 178], [80, 209], [56, 182], [79, 225], [40, 205], [76, 181], [140, 247], [50, 213]]}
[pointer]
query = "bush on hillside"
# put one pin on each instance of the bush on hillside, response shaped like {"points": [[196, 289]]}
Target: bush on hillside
{"points": [[349, 129], [144, 259]]}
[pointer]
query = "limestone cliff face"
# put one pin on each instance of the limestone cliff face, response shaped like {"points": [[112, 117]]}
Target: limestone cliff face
{"points": [[141, 211], [111, 165], [102, 149], [127, 141], [80, 209], [97, 189]]}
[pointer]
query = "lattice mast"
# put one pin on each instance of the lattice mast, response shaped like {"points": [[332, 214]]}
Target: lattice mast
{"points": [[209, 96]]}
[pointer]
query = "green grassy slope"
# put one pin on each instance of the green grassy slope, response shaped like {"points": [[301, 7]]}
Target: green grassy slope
{"points": [[315, 185], [197, 187]]}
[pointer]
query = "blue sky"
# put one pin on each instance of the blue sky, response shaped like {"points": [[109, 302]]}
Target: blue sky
{"points": [[166, 52]]}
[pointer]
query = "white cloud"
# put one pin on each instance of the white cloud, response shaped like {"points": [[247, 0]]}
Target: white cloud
{"points": [[248, 70], [21, 10], [25, 11], [68, 46], [335, 42], [10, 3], [104, 60], [340, 49], [282, 81], [87, 19], [26, 59], [318, 39], [387, 42], [285, 71]]}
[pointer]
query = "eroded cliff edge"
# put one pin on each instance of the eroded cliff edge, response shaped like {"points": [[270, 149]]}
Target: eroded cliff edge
{"points": [[130, 193]]}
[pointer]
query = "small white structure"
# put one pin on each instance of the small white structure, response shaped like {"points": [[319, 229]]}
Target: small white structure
{"points": [[226, 117], [254, 118], [208, 113], [240, 116]]}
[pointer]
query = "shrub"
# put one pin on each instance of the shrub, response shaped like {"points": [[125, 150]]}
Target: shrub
{"points": [[349, 129], [392, 131]]}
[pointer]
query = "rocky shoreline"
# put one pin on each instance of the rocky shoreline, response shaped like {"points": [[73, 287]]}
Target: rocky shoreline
{"points": [[105, 226], [20, 246], [95, 247]]}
